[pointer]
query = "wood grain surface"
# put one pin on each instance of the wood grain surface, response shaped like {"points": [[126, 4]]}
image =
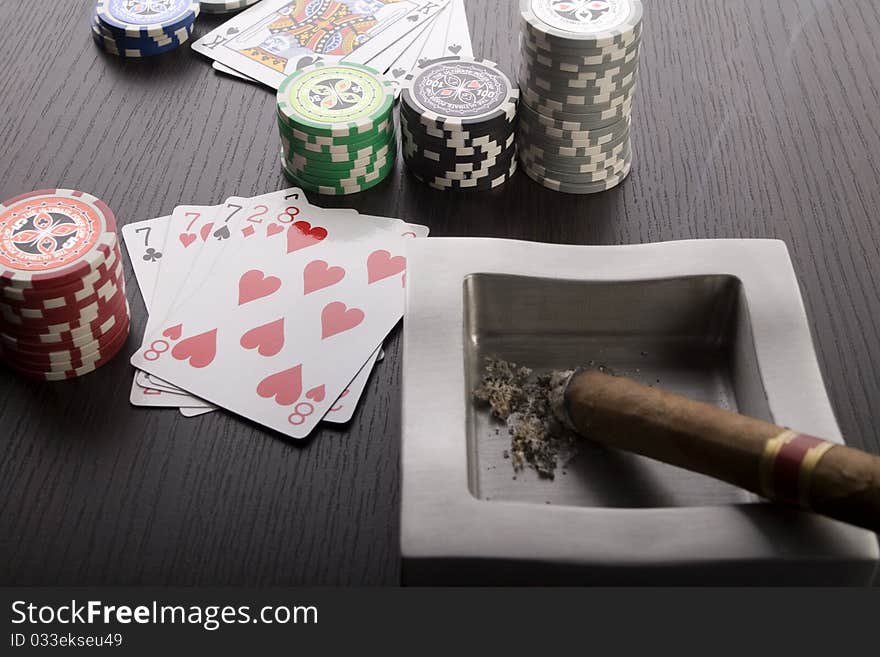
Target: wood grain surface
{"points": [[753, 119]]}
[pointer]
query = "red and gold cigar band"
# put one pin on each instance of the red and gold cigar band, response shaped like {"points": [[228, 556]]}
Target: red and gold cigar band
{"points": [[787, 465]]}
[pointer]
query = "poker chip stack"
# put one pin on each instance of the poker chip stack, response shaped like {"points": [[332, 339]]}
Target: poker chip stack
{"points": [[337, 128], [577, 78], [457, 124], [142, 29], [63, 309], [225, 6]]}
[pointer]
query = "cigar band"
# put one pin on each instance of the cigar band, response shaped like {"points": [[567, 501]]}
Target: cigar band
{"points": [[787, 465]]}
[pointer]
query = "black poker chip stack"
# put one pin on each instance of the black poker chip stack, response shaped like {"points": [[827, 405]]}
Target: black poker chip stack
{"points": [[458, 124]]}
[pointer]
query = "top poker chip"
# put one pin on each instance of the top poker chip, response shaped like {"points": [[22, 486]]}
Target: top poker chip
{"points": [[460, 92], [335, 100], [457, 120], [53, 237], [592, 23], [142, 18]]}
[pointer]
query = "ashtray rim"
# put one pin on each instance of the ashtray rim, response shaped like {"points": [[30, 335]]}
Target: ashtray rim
{"points": [[440, 519]]}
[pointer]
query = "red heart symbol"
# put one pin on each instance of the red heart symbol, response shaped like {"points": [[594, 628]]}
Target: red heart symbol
{"points": [[205, 231], [318, 275], [316, 394], [199, 350], [335, 318], [381, 265], [187, 238], [267, 339], [301, 234], [254, 284], [284, 386], [174, 332], [274, 229]]}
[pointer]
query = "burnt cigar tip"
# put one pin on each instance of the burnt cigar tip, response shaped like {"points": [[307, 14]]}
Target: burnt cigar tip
{"points": [[559, 381]]}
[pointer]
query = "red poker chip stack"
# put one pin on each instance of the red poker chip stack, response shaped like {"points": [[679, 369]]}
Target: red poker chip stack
{"points": [[63, 309]]}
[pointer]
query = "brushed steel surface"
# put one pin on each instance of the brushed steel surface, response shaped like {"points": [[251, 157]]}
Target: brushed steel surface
{"points": [[681, 334], [721, 320]]}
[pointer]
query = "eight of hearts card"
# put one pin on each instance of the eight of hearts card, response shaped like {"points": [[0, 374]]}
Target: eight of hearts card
{"points": [[191, 229], [278, 331], [175, 255]]}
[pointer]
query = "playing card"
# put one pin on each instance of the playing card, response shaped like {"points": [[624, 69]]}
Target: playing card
{"points": [[150, 389], [194, 412], [146, 380], [450, 36], [395, 32], [276, 37], [344, 407], [280, 330], [434, 46], [188, 224], [226, 70], [145, 241], [386, 59], [398, 71], [457, 40], [193, 228], [458, 36], [240, 219], [189, 228], [153, 397], [341, 411]]}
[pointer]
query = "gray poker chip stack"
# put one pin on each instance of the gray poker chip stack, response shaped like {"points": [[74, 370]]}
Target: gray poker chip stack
{"points": [[457, 124], [577, 79]]}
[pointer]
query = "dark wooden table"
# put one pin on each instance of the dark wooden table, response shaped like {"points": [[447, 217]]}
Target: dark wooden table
{"points": [[753, 119]]}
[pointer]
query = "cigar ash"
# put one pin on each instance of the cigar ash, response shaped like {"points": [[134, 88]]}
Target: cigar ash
{"points": [[524, 453], [521, 399]]}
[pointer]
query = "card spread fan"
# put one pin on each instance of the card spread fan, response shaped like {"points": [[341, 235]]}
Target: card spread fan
{"points": [[270, 307]]}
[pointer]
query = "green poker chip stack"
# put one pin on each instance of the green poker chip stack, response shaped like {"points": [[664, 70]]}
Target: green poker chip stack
{"points": [[337, 128]]}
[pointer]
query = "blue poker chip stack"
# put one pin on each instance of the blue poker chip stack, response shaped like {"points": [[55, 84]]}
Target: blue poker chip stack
{"points": [[143, 29]]}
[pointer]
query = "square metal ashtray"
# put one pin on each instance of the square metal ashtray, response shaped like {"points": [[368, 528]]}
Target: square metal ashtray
{"points": [[718, 320]]}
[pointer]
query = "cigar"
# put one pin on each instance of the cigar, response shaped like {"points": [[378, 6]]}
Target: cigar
{"points": [[775, 462]]}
